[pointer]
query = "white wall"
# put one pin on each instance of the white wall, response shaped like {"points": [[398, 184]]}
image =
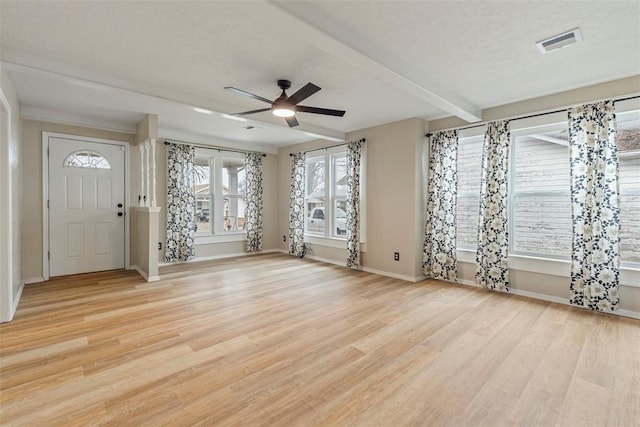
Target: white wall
{"points": [[11, 195]]}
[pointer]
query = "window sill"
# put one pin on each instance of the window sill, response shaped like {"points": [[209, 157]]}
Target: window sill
{"points": [[331, 242], [239, 236], [629, 276]]}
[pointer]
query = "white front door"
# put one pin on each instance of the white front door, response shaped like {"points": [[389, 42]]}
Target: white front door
{"points": [[86, 206]]}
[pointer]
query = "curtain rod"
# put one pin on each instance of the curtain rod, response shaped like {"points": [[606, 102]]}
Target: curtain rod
{"points": [[527, 116], [211, 147], [330, 146]]}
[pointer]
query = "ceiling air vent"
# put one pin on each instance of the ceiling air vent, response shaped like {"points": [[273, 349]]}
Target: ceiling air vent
{"points": [[559, 41]]}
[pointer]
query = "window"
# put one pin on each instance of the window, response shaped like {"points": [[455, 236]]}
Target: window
{"points": [[86, 159], [326, 191], [628, 142], [220, 188], [467, 206], [539, 190], [539, 194]]}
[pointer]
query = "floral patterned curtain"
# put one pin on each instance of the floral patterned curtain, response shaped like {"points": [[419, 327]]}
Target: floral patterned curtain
{"points": [[439, 249], [354, 155], [493, 231], [595, 266], [296, 206], [253, 165], [180, 203]]}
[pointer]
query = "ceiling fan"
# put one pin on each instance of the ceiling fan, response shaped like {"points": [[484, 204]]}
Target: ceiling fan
{"points": [[286, 106]]}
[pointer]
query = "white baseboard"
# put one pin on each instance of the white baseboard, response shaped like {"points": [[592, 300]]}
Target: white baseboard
{"points": [[326, 260], [367, 269], [467, 282], [551, 298], [143, 274], [34, 280], [213, 257], [628, 313], [16, 300], [139, 271], [394, 275]]}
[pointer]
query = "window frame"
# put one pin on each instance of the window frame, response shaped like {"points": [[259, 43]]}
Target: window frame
{"points": [[622, 116], [513, 194], [328, 156], [469, 136], [629, 272], [73, 160], [327, 238], [216, 197]]}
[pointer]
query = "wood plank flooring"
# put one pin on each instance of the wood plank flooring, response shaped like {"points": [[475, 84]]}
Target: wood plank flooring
{"points": [[275, 340]]}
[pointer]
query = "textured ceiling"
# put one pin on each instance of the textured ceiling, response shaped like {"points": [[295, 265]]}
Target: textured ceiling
{"points": [[380, 61]]}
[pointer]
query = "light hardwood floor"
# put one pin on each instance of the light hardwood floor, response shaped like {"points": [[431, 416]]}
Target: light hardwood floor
{"points": [[274, 340]]}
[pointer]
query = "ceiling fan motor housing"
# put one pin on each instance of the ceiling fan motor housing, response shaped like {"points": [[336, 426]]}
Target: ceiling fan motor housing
{"points": [[284, 84]]}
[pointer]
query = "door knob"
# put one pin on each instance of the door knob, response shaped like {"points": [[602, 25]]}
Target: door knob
{"points": [[119, 205], [119, 213]]}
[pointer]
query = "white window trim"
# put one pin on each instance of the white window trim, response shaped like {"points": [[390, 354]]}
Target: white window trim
{"points": [[556, 124], [627, 111], [468, 134], [629, 272], [230, 236], [217, 234], [332, 241], [629, 276]]}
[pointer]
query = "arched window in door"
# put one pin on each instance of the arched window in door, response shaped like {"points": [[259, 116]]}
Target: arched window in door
{"points": [[86, 159]]}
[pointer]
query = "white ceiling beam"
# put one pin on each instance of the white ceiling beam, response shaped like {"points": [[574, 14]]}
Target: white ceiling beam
{"points": [[44, 115], [306, 21]]}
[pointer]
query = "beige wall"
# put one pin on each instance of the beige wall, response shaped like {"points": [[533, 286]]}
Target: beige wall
{"points": [[11, 165], [144, 229], [270, 202], [31, 212], [31, 230], [394, 194], [549, 286], [393, 198], [270, 209]]}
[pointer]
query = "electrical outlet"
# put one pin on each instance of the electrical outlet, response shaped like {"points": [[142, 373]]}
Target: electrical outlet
{"points": [[284, 238], [396, 256], [159, 246]]}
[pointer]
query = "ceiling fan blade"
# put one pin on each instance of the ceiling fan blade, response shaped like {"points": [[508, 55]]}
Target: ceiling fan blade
{"points": [[316, 110], [244, 113], [250, 95], [302, 94], [292, 121]]}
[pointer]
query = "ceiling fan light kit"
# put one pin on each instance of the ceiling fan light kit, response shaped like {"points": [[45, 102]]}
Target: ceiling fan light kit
{"points": [[286, 106], [283, 112]]}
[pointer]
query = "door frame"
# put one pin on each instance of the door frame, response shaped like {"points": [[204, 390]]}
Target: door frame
{"points": [[45, 193], [8, 298]]}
